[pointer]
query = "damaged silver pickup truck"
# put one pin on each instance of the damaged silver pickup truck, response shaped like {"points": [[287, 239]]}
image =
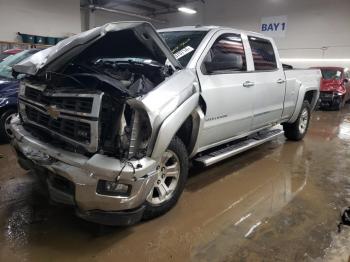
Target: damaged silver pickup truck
{"points": [[110, 119]]}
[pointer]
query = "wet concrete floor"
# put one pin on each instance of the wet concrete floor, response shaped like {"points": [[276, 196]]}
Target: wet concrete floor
{"points": [[278, 202]]}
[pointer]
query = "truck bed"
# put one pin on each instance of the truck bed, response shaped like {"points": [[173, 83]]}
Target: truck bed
{"points": [[309, 77]]}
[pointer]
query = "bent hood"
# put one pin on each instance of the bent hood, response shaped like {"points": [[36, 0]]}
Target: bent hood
{"points": [[128, 39]]}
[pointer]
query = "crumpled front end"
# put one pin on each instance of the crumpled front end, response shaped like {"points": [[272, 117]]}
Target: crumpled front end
{"points": [[88, 128], [332, 93], [102, 186], [98, 157]]}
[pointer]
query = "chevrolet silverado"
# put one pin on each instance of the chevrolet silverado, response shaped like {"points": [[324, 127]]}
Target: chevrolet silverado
{"points": [[111, 118]]}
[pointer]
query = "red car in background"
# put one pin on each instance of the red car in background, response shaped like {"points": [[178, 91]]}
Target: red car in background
{"points": [[335, 87], [9, 52]]}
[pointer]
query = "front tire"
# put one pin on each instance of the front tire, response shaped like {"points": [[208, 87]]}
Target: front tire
{"points": [[297, 130], [172, 175], [5, 119]]}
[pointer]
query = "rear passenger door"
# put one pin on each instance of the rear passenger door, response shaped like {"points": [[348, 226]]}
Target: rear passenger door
{"points": [[225, 86], [269, 83]]}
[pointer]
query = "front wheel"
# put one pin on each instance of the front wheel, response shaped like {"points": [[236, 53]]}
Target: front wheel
{"points": [[172, 175], [297, 130]]}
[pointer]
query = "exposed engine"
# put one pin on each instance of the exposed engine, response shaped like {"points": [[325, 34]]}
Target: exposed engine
{"points": [[108, 125]]}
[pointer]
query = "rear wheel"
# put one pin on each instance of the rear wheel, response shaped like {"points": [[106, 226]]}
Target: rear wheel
{"points": [[297, 130], [172, 175], [5, 120]]}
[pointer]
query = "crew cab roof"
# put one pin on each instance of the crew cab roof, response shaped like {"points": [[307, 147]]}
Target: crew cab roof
{"points": [[208, 28]]}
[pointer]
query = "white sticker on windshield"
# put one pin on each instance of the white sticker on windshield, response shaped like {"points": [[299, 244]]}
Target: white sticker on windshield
{"points": [[188, 49]]}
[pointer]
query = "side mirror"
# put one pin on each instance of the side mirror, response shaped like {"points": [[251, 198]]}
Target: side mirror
{"points": [[345, 80]]}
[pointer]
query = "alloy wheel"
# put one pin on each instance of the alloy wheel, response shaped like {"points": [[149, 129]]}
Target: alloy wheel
{"points": [[303, 122], [168, 173]]}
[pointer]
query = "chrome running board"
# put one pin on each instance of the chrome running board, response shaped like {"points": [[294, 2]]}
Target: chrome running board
{"points": [[239, 147]]}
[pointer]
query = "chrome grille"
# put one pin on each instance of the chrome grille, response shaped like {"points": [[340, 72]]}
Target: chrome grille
{"points": [[75, 118], [78, 104], [78, 131]]}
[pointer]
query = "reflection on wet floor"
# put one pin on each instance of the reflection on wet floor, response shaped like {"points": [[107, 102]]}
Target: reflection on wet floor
{"points": [[344, 129], [279, 201]]}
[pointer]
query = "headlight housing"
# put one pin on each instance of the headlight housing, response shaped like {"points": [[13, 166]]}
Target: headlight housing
{"points": [[140, 133], [125, 130]]}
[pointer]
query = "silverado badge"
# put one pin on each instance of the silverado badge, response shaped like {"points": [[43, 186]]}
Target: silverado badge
{"points": [[53, 111]]}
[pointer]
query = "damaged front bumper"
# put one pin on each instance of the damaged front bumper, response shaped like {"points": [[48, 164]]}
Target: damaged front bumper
{"points": [[73, 179]]}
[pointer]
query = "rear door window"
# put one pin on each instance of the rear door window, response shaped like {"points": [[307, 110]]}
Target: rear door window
{"points": [[263, 54]]}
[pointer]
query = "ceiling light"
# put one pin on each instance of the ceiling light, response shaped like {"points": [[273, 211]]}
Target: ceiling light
{"points": [[187, 10]]}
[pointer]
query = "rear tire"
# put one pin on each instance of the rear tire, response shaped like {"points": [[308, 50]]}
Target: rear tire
{"points": [[172, 177], [5, 119], [297, 130]]}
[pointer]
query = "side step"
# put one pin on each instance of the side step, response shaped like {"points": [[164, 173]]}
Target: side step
{"points": [[239, 147]]}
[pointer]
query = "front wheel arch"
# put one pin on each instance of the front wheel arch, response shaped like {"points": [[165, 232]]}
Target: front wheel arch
{"points": [[172, 125]]}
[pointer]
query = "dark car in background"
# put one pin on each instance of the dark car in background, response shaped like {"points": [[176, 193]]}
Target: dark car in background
{"points": [[9, 89], [335, 87], [9, 52]]}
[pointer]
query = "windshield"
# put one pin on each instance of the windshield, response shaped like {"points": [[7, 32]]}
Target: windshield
{"points": [[183, 44], [7, 64], [331, 74]]}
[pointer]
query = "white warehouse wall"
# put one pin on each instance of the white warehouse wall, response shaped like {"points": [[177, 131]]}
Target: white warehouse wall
{"points": [[39, 17], [312, 24]]}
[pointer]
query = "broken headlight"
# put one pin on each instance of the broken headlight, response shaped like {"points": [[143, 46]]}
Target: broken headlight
{"points": [[139, 134]]}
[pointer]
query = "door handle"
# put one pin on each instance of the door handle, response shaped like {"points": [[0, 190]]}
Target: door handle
{"points": [[281, 81], [248, 84]]}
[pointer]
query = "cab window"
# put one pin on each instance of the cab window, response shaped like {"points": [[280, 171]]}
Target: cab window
{"points": [[263, 54], [226, 55]]}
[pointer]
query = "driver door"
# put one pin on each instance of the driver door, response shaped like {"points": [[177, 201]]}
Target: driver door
{"points": [[226, 89]]}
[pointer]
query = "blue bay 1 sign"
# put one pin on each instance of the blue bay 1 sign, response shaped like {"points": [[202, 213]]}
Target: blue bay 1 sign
{"points": [[274, 26]]}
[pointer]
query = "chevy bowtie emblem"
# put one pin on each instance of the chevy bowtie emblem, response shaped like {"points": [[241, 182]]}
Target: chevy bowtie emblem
{"points": [[53, 111]]}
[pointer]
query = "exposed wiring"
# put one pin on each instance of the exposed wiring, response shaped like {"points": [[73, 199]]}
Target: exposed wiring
{"points": [[126, 163]]}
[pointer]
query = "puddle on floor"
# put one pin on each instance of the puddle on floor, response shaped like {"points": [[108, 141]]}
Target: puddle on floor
{"points": [[279, 202]]}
